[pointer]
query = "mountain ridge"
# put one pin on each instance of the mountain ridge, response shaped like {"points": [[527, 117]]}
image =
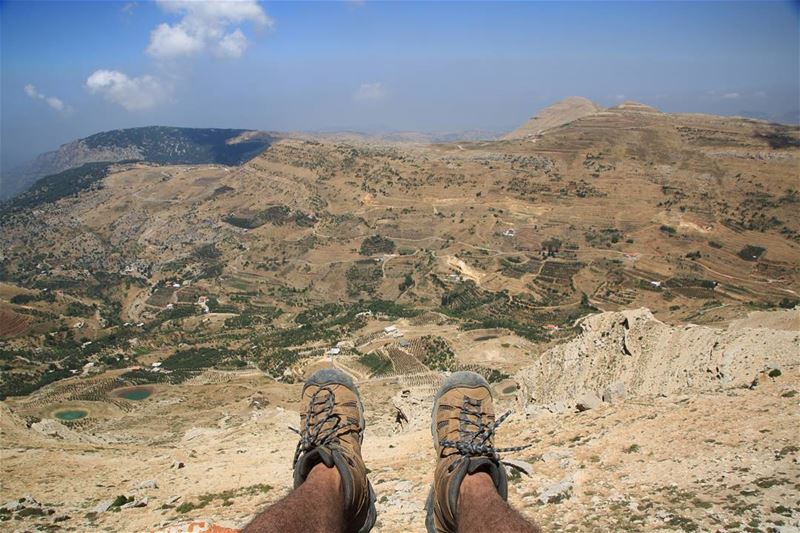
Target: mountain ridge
{"points": [[155, 144]]}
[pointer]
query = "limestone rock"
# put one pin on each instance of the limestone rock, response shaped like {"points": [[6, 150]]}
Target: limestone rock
{"points": [[103, 506], [615, 393], [588, 401], [557, 492], [135, 503]]}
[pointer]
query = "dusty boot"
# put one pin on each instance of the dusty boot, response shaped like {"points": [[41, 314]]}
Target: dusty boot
{"points": [[331, 429], [463, 427]]}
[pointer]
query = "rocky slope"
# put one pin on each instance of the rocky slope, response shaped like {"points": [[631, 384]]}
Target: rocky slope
{"points": [[714, 456], [634, 352]]}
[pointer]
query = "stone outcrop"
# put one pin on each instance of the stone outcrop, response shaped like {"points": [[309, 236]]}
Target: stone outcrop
{"points": [[631, 354]]}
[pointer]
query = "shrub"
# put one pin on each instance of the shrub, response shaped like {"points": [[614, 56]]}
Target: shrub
{"points": [[751, 252], [376, 244], [407, 282], [121, 500], [207, 251], [669, 230], [79, 309], [633, 448]]}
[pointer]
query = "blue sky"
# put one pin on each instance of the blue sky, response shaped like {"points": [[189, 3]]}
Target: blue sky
{"points": [[70, 69]]}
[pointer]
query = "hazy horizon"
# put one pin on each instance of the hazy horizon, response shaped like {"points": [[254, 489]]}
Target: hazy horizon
{"points": [[71, 69]]}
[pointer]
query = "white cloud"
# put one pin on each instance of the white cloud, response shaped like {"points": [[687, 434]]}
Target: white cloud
{"points": [[172, 41], [760, 94], [370, 92], [52, 101], [233, 44], [55, 103], [205, 25], [134, 94], [128, 8], [730, 96]]}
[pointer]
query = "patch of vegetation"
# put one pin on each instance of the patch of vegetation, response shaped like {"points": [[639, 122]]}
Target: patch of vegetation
{"points": [[376, 245], [669, 230], [779, 138], [633, 448], [363, 277], [80, 309], [41, 296], [437, 354], [407, 282], [378, 364], [207, 252], [225, 496], [195, 359], [751, 252], [715, 244], [22, 383], [121, 500], [171, 146], [277, 215], [603, 238]]}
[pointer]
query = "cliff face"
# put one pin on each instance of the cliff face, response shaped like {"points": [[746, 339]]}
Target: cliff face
{"points": [[70, 155], [650, 358]]}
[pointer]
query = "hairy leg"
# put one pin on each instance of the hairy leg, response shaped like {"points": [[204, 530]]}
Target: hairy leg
{"points": [[316, 506], [481, 509]]}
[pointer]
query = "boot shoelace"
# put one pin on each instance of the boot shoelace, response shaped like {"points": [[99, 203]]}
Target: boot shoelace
{"points": [[475, 436], [318, 413]]}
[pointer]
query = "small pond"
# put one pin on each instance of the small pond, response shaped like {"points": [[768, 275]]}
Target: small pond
{"points": [[71, 414], [134, 393]]}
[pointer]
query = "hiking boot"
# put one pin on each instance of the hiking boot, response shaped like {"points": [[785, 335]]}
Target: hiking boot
{"points": [[331, 430], [462, 426]]}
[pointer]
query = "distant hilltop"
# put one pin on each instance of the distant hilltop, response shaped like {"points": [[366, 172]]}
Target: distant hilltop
{"points": [[155, 144], [569, 110], [563, 112], [575, 108]]}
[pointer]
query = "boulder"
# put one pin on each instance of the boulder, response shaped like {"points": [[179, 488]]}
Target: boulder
{"points": [[135, 503], [103, 506], [588, 401], [615, 393], [557, 492]]}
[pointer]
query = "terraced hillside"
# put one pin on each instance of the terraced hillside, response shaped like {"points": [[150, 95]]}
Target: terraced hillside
{"points": [[692, 216]]}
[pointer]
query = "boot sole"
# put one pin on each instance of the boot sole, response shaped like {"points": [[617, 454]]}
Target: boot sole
{"points": [[469, 380]]}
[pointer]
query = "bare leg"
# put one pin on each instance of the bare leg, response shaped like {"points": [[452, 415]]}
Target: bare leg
{"points": [[481, 509], [316, 506]]}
